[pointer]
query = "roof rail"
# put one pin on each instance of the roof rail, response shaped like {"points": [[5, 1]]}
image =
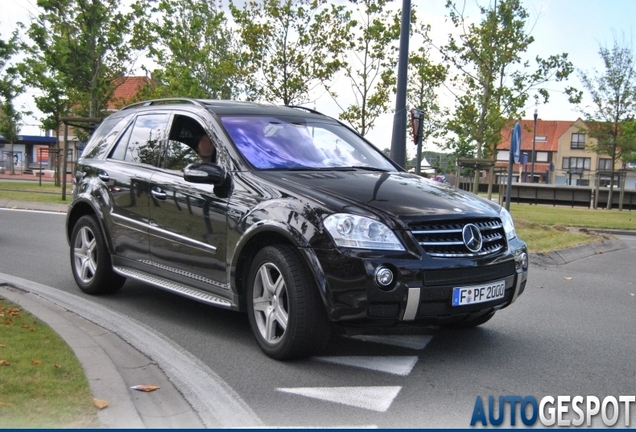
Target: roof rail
{"points": [[313, 111], [164, 102]]}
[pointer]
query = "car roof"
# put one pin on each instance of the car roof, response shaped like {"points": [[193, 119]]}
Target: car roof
{"points": [[229, 107]]}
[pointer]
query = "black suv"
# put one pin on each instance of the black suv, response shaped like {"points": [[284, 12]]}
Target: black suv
{"points": [[294, 218]]}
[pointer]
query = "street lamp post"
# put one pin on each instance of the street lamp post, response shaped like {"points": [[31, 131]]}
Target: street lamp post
{"points": [[534, 140]]}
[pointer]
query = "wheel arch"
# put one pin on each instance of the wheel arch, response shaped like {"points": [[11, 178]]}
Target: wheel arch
{"points": [[269, 235], [83, 208]]}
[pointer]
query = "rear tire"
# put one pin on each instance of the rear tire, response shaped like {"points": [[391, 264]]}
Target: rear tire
{"points": [[90, 259], [470, 323], [285, 310]]}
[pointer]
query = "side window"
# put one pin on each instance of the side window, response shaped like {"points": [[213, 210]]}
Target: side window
{"points": [[119, 152], [104, 136], [178, 155], [182, 146], [141, 143]]}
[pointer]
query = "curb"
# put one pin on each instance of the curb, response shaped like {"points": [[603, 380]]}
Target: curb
{"points": [[117, 352], [565, 256]]}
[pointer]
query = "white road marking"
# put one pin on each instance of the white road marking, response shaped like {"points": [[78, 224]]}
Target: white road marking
{"points": [[397, 365], [371, 398], [417, 342]]}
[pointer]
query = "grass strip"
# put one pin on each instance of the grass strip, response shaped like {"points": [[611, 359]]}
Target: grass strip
{"points": [[42, 384], [33, 192]]}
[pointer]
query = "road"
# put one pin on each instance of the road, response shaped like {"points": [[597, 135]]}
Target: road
{"points": [[570, 333]]}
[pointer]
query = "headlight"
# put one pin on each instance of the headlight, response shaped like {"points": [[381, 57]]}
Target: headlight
{"points": [[361, 232], [508, 225]]}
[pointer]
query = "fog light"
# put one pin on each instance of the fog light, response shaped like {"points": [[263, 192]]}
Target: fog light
{"points": [[521, 261], [383, 276]]}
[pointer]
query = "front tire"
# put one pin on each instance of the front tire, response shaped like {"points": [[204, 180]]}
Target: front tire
{"points": [[90, 259], [285, 309]]}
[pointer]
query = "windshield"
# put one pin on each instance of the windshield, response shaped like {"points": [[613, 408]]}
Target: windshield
{"points": [[284, 143]]}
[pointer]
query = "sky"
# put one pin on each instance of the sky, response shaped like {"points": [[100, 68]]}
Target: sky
{"points": [[576, 27]]}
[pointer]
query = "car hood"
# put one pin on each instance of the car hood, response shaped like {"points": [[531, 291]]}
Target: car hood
{"points": [[395, 194]]}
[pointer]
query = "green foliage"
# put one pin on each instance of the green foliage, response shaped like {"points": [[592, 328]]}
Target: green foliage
{"points": [[10, 88], [424, 79], [290, 46], [492, 82], [53, 101], [81, 47], [628, 149], [370, 63], [194, 47], [610, 119]]}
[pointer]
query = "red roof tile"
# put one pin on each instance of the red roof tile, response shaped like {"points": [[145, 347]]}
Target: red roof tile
{"points": [[552, 130], [126, 90]]}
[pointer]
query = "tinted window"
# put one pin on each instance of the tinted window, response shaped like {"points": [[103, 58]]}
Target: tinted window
{"points": [[178, 155], [183, 139], [104, 136], [142, 143], [275, 143]]}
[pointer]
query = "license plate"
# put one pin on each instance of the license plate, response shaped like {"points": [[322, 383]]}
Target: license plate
{"points": [[478, 293]]}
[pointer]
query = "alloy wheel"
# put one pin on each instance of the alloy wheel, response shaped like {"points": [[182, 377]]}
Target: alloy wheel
{"points": [[271, 305], [85, 255]]}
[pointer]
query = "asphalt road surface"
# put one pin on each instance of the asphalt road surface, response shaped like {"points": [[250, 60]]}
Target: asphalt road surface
{"points": [[570, 333]]}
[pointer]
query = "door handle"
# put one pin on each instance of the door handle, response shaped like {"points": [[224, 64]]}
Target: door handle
{"points": [[103, 176], [158, 193]]}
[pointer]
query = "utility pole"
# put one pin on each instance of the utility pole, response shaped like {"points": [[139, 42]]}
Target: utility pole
{"points": [[534, 140], [398, 139]]}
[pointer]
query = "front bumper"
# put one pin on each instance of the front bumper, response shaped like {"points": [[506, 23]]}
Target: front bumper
{"points": [[421, 289]]}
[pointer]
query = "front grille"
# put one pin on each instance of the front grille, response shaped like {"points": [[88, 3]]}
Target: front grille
{"points": [[445, 240], [469, 275]]}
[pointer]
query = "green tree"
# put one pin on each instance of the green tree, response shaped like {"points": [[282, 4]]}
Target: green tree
{"points": [[194, 47], [84, 45], [52, 101], [613, 94], [10, 88], [290, 46], [424, 79], [370, 63], [491, 81], [629, 151]]}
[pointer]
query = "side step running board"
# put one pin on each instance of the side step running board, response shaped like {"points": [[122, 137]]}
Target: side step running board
{"points": [[174, 287]]}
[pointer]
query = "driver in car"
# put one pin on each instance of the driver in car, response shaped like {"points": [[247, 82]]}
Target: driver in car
{"points": [[205, 149]]}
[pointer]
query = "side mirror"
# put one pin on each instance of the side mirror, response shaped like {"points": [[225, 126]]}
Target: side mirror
{"points": [[204, 172]]}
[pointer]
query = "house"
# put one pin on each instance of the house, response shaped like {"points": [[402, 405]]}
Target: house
{"points": [[126, 91], [561, 154], [29, 153]]}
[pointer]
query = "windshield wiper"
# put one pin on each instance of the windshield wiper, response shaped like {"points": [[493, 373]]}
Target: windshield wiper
{"points": [[368, 168]]}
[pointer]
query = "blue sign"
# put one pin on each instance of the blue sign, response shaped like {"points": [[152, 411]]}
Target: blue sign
{"points": [[515, 142]]}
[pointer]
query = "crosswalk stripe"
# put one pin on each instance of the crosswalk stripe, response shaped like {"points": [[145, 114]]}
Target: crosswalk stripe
{"points": [[397, 365], [371, 398], [417, 342]]}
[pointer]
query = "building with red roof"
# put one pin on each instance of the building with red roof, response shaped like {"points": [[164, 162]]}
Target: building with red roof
{"points": [[561, 153], [126, 91]]}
